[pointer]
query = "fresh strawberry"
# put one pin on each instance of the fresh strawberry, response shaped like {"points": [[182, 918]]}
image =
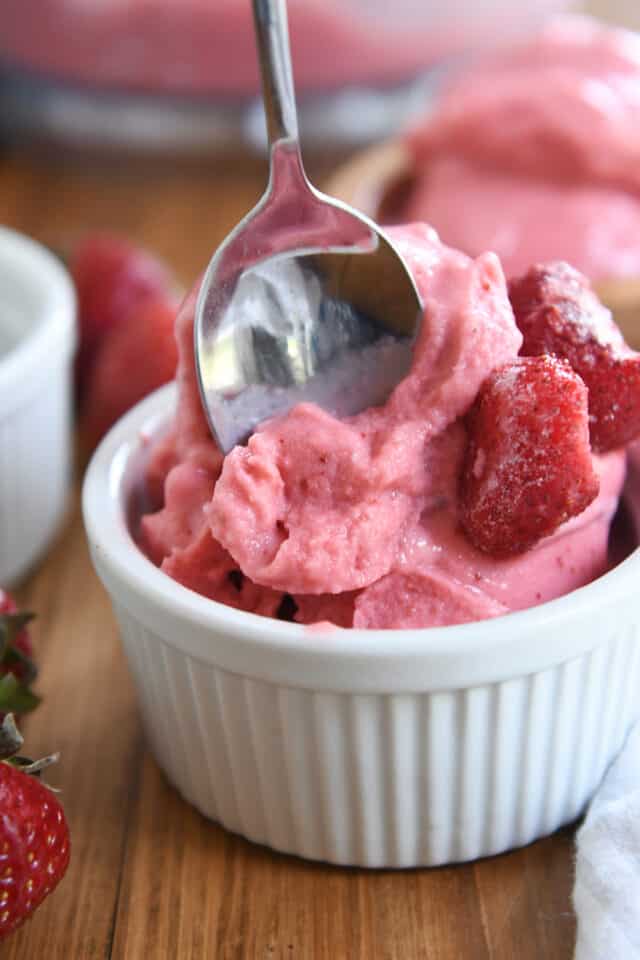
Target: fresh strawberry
{"points": [[528, 465], [17, 667], [135, 358], [558, 313], [112, 277], [34, 836]]}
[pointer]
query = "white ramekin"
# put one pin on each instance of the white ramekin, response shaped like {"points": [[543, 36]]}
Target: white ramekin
{"points": [[37, 342], [391, 748]]}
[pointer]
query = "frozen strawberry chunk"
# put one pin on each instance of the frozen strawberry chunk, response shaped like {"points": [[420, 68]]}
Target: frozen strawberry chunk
{"points": [[528, 466], [559, 314]]}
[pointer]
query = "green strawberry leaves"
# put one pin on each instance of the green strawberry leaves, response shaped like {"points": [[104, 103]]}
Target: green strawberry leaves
{"points": [[12, 623], [17, 669], [15, 696]]}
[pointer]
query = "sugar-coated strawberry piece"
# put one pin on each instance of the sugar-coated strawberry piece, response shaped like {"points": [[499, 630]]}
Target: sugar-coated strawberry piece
{"points": [[558, 313], [528, 466], [112, 278], [135, 358]]}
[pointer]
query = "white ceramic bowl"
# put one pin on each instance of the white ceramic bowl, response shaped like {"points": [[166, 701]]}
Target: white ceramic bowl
{"points": [[37, 342], [389, 748]]}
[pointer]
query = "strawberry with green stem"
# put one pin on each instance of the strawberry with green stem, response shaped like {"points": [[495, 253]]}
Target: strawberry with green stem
{"points": [[34, 835], [113, 277]]}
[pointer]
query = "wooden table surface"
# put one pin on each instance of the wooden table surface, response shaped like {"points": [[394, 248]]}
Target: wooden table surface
{"points": [[149, 876]]}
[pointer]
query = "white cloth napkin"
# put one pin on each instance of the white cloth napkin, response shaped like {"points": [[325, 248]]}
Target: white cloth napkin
{"points": [[606, 895]]}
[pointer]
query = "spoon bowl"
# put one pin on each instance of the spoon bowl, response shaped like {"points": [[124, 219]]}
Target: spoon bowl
{"points": [[306, 299]]}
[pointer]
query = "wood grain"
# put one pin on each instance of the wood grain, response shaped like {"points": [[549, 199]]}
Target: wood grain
{"points": [[149, 877]]}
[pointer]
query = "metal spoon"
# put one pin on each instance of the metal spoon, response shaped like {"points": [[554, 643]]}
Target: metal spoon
{"points": [[306, 299]]}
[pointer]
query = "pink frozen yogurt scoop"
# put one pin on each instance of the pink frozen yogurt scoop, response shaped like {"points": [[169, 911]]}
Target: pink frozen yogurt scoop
{"points": [[358, 521], [535, 154]]}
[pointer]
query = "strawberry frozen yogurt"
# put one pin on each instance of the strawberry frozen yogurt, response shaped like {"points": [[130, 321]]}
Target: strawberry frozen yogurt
{"points": [[536, 154], [360, 521]]}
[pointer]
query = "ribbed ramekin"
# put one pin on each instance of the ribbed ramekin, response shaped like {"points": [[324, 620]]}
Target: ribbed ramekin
{"points": [[392, 748], [37, 342]]}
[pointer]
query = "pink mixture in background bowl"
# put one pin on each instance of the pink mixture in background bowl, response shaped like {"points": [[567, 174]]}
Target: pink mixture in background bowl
{"points": [[181, 77], [535, 154], [199, 47]]}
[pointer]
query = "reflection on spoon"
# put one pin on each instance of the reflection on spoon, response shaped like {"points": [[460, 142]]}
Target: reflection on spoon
{"points": [[283, 339]]}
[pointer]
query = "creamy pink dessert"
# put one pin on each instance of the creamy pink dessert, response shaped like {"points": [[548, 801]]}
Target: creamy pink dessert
{"points": [[359, 521], [536, 154]]}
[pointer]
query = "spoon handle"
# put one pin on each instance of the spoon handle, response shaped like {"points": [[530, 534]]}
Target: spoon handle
{"points": [[274, 53]]}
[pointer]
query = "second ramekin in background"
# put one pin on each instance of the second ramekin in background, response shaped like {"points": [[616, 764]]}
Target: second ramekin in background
{"points": [[37, 342]]}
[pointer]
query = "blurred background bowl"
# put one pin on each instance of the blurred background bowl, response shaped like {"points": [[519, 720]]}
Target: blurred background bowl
{"points": [[37, 341], [181, 75]]}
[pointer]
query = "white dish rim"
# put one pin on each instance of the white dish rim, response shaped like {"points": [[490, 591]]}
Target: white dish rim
{"points": [[54, 335]]}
